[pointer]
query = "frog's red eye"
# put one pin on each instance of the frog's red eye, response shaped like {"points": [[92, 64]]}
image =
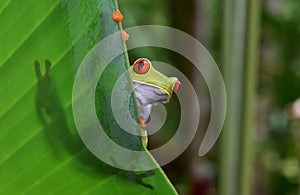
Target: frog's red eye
{"points": [[141, 66]]}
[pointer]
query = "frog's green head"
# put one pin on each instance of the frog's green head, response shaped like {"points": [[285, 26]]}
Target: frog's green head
{"points": [[151, 86]]}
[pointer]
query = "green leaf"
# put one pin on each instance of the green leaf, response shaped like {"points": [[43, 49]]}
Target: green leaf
{"points": [[41, 152]]}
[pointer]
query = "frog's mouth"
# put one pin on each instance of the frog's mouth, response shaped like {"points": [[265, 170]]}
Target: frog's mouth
{"points": [[147, 96]]}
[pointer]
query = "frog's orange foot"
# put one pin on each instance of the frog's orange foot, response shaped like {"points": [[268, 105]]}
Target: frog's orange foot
{"points": [[117, 16], [143, 123]]}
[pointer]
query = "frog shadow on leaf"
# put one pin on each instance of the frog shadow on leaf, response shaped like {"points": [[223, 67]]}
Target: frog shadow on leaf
{"points": [[59, 136]]}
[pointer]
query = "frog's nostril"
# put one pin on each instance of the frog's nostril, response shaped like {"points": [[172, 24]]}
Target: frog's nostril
{"points": [[176, 87]]}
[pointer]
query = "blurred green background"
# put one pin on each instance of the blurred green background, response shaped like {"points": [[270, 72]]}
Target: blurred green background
{"points": [[256, 45]]}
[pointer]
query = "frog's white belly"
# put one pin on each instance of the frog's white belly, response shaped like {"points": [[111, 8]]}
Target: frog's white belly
{"points": [[147, 96]]}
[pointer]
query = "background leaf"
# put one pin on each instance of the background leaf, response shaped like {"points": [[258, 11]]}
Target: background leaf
{"points": [[40, 149]]}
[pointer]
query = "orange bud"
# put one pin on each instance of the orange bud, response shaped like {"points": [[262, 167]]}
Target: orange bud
{"points": [[125, 35], [117, 16]]}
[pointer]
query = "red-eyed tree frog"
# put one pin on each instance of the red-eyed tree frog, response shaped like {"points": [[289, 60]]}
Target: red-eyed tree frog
{"points": [[150, 87]]}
